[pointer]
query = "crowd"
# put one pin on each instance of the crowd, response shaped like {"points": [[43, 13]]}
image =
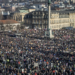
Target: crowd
{"points": [[32, 54]]}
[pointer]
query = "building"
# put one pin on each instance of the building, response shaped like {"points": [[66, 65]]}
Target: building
{"points": [[73, 1], [19, 16], [4, 15], [1, 9], [59, 19], [8, 25]]}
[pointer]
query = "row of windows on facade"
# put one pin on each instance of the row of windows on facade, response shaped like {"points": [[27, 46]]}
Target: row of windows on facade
{"points": [[45, 16], [63, 16], [62, 21], [60, 26], [53, 26], [57, 26], [45, 13], [40, 16], [52, 21], [36, 22], [39, 13], [36, 16]]}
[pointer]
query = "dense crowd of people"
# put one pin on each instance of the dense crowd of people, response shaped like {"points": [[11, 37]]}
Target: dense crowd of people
{"points": [[32, 54]]}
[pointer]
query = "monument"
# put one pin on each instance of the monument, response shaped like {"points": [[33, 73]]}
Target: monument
{"points": [[48, 33]]}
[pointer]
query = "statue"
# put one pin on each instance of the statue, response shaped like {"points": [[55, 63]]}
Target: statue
{"points": [[49, 2]]}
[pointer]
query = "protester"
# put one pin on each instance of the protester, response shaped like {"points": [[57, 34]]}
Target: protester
{"points": [[32, 54]]}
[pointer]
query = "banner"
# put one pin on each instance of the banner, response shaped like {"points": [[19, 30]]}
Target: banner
{"points": [[36, 64]]}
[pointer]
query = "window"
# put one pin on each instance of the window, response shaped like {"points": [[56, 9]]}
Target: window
{"points": [[37, 16], [71, 20], [64, 15], [34, 13], [45, 16], [34, 21], [34, 16], [40, 22]]}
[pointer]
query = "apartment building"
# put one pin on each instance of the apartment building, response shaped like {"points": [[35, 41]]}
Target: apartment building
{"points": [[59, 19]]}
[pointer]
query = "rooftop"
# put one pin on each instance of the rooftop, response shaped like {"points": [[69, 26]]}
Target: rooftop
{"points": [[61, 11], [8, 21]]}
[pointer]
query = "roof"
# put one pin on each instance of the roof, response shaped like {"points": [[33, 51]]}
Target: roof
{"points": [[24, 11], [64, 11], [54, 11], [8, 21]]}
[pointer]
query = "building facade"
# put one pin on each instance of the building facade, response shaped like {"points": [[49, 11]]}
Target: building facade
{"points": [[73, 1], [19, 16], [9, 25], [59, 19]]}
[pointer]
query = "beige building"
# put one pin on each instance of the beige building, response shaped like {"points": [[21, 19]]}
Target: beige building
{"points": [[59, 19]]}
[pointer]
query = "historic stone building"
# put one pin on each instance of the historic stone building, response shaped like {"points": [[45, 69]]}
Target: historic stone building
{"points": [[59, 19], [19, 16], [6, 25]]}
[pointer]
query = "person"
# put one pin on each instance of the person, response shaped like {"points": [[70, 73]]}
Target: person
{"points": [[35, 49]]}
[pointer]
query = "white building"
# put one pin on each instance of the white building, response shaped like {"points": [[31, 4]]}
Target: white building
{"points": [[9, 24]]}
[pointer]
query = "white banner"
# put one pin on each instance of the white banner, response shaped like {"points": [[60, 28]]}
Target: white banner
{"points": [[36, 64]]}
